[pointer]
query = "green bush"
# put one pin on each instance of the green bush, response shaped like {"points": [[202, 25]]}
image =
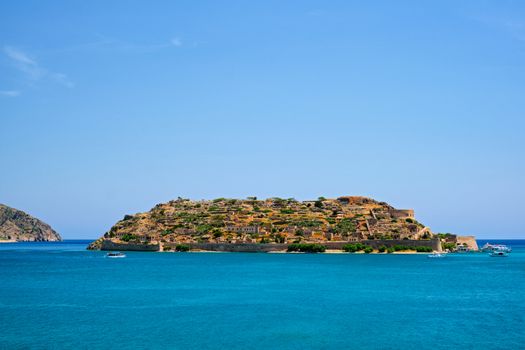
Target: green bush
{"points": [[390, 250], [182, 248], [449, 246], [382, 249], [353, 247], [423, 249], [369, 250], [287, 211], [345, 226], [128, 237], [306, 247]]}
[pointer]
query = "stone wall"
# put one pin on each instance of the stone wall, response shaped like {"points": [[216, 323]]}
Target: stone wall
{"points": [[435, 244], [402, 213], [234, 247], [110, 245], [470, 241], [262, 248]]}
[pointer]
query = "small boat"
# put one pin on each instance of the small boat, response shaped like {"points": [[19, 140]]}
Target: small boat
{"points": [[115, 255], [436, 255], [488, 247], [462, 249], [499, 253]]}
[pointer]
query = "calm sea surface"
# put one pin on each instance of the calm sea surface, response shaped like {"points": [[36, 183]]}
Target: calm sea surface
{"points": [[59, 296]]}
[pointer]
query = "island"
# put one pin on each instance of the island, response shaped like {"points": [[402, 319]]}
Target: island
{"points": [[347, 223], [18, 226]]}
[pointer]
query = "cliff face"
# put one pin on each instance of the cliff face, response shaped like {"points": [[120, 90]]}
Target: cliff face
{"points": [[272, 220], [18, 226]]}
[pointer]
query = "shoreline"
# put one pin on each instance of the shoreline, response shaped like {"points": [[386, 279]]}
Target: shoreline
{"points": [[329, 251]]}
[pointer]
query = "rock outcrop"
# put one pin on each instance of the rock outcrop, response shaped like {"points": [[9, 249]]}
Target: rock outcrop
{"points": [[15, 225]]}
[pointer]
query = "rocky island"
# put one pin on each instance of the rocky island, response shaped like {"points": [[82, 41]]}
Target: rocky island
{"points": [[348, 223], [17, 226]]}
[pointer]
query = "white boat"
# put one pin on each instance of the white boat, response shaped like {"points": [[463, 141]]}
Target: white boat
{"points": [[488, 247], [436, 255], [115, 255], [499, 253]]}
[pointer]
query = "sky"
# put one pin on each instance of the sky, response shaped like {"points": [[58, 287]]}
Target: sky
{"points": [[108, 108]]}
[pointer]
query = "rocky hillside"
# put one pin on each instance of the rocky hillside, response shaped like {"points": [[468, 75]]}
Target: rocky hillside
{"points": [[15, 225], [271, 220]]}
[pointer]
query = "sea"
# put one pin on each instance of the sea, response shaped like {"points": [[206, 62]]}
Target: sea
{"points": [[61, 296]]}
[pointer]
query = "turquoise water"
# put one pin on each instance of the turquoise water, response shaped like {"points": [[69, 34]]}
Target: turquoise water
{"points": [[59, 296]]}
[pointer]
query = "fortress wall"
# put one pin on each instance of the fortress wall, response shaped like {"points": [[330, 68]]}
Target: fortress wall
{"points": [[470, 241], [262, 248], [238, 247], [110, 245], [435, 244]]}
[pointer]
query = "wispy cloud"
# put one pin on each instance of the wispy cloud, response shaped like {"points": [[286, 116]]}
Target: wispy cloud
{"points": [[32, 70], [105, 43], [176, 41], [10, 93]]}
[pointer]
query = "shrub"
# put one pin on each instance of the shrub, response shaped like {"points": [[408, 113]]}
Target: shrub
{"points": [[368, 250], [128, 237], [390, 250], [167, 248], [449, 246], [345, 226], [306, 247], [423, 249], [353, 247], [182, 248], [382, 249]]}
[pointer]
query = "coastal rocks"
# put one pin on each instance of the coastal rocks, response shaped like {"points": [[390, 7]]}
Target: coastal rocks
{"points": [[96, 245], [15, 225]]}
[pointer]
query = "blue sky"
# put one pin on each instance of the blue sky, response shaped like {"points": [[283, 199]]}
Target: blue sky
{"points": [[108, 109]]}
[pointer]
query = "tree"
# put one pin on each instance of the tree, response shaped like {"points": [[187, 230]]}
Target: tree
{"points": [[279, 238], [307, 248], [345, 226], [182, 247]]}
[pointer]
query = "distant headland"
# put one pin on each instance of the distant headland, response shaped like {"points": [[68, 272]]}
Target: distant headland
{"points": [[17, 226], [348, 223]]}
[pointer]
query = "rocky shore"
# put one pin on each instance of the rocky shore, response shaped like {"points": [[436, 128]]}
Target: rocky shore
{"points": [[18, 226]]}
